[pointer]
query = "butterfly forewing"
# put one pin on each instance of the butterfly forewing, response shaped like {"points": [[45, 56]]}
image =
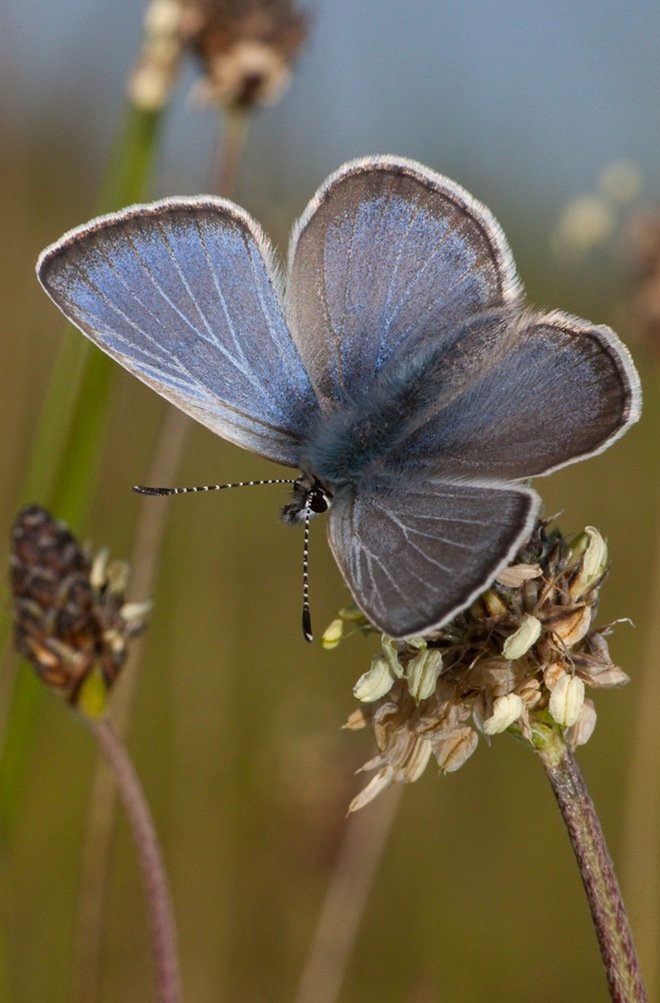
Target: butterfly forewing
{"points": [[388, 250], [180, 293]]}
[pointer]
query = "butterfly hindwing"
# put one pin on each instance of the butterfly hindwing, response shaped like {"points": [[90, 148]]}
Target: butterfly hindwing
{"points": [[414, 554], [516, 395]]}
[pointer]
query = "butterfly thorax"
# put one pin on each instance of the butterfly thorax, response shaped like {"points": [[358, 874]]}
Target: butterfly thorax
{"points": [[343, 446]]}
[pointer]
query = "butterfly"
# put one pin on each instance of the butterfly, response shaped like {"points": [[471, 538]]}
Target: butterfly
{"points": [[398, 370]]}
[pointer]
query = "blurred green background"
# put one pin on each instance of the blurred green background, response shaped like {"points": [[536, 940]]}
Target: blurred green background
{"points": [[235, 729]]}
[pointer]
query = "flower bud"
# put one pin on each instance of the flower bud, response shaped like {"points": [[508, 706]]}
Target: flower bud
{"points": [[567, 700], [333, 634], [592, 549], [580, 732], [422, 673], [506, 710], [375, 682], [519, 643]]}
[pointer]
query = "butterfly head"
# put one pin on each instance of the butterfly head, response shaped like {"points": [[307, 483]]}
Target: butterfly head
{"points": [[311, 496]]}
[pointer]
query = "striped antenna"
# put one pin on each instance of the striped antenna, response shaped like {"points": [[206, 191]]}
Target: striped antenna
{"points": [[306, 613], [140, 489], [306, 514]]}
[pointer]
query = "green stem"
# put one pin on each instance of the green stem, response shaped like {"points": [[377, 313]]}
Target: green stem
{"points": [[65, 453], [66, 449], [130, 163], [597, 873]]}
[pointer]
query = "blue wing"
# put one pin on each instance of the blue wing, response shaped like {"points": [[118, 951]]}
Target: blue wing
{"points": [[181, 293], [387, 251], [415, 554], [516, 396]]}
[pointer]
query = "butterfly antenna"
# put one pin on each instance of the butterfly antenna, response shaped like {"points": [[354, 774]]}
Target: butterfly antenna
{"points": [[306, 613], [140, 489]]}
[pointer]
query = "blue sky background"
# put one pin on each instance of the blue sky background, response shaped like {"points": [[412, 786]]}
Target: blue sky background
{"points": [[527, 99]]}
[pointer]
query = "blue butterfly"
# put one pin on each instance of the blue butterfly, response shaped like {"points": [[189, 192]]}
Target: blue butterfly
{"points": [[399, 370]]}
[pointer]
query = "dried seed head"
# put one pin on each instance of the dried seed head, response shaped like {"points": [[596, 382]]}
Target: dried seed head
{"points": [[525, 637], [150, 83], [70, 619], [246, 47], [514, 576], [375, 682], [517, 660]]}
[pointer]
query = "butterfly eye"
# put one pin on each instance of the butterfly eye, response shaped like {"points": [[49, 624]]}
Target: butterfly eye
{"points": [[319, 499]]}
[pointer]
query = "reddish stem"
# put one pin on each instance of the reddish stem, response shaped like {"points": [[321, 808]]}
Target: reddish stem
{"points": [[154, 879], [603, 894]]}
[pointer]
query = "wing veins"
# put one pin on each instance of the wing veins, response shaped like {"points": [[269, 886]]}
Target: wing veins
{"points": [[337, 335], [395, 271], [165, 239], [112, 306], [195, 330], [407, 294], [179, 373], [223, 301]]}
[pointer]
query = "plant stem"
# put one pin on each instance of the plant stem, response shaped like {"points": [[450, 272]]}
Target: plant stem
{"points": [[65, 455], [597, 872], [237, 123], [154, 879], [346, 899], [640, 871], [101, 812]]}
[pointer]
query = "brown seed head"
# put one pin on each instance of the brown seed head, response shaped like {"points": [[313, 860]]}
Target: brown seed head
{"points": [[70, 618], [246, 47]]}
